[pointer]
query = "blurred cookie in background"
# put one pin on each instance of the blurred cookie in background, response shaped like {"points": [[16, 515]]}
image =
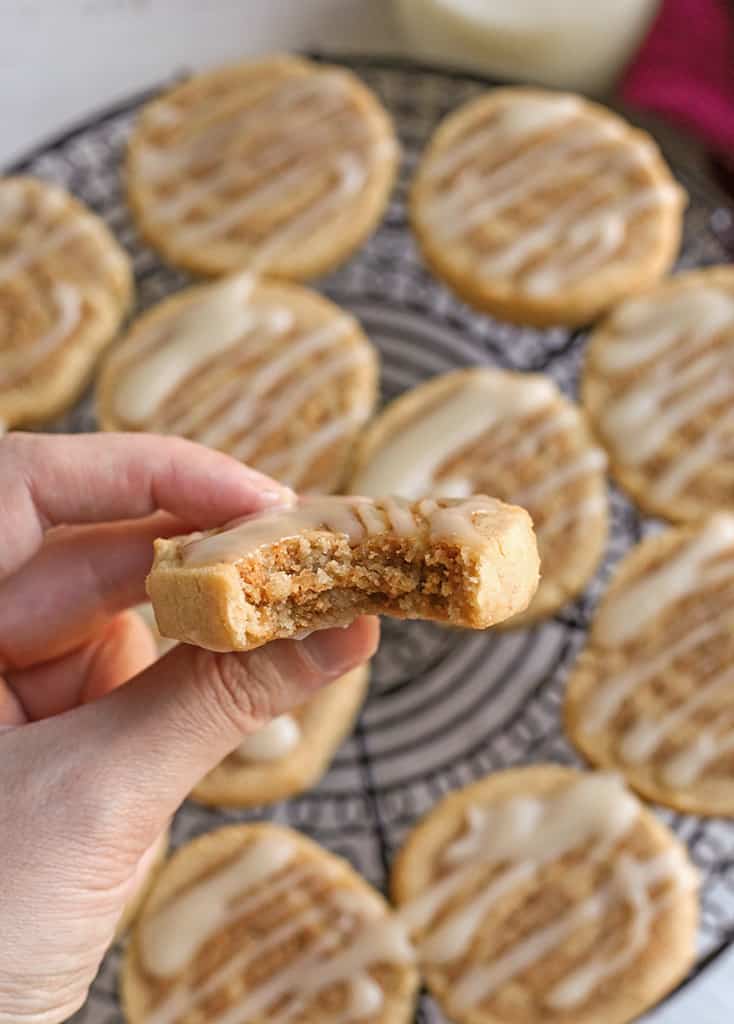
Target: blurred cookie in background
{"points": [[269, 372], [544, 208], [514, 435], [652, 694], [279, 165], [658, 385], [290, 754], [65, 286], [546, 894]]}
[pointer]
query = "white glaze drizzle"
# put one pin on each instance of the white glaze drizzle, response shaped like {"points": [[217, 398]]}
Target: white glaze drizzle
{"points": [[523, 834], [171, 938], [627, 614], [612, 692], [338, 515], [543, 143], [321, 157], [292, 466], [592, 461], [409, 463], [271, 742], [18, 363], [336, 957], [667, 342], [221, 317], [34, 244]]}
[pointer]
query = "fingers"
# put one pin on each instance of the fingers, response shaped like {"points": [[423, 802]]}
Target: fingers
{"points": [[121, 649], [69, 590], [153, 739], [81, 478]]}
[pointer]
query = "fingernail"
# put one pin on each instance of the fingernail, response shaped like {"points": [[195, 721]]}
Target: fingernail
{"points": [[330, 650], [282, 496]]}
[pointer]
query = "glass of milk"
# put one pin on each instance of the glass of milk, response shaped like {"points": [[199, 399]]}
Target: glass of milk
{"points": [[582, 45]]}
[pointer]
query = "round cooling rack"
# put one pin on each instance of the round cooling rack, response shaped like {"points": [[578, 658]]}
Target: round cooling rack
{"points": [[445, 706]]}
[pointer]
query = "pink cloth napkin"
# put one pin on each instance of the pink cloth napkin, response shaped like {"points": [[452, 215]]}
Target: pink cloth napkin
{"points": [[685, 70]]}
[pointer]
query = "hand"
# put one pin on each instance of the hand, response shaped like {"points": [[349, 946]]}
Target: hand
{"points": [[92, 770]]}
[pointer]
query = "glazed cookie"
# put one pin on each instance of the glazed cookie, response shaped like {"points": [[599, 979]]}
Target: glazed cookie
{"points": [[65, 285], [546, 895], [544, 208], [136, 901], [652, 695], [291, 753], [324, 561], [659, 387], [255, 923], [280, 165], [271, 373], [509, 434]]}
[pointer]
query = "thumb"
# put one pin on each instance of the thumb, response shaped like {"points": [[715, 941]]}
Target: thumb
{"points": [[155, 737]]}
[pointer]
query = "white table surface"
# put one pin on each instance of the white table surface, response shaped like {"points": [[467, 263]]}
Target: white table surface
{"points": [[63, 59]]}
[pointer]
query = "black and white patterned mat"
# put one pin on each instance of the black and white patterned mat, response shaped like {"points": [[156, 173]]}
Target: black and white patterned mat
{"points": [[444, 707]]}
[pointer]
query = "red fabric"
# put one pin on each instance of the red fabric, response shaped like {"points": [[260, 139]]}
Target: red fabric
{"points": [[685, 69]]}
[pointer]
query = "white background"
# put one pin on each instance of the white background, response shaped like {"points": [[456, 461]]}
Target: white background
{"points": [[62, 59]]}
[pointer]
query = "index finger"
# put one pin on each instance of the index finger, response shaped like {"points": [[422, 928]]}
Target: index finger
{"points": [[83, 478]]}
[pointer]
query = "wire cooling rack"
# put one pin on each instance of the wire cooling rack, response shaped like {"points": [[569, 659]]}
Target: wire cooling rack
{"points": [[445, 706]]}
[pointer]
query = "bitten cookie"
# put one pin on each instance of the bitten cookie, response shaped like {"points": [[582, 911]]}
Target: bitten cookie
{"points": [[257, 923], [290, 754], [325, 561], [65, 285], [652, 695], [509, 434], [280, 165], [546, 895], [544, 208], [271, 373], [658, 384]]}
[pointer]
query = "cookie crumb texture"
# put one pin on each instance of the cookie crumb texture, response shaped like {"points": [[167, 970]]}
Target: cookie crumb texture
{"points": [[323, 563], [544, 895]]}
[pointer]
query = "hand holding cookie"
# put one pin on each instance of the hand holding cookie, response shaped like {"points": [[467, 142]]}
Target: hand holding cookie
{"points": [[79, 517]]}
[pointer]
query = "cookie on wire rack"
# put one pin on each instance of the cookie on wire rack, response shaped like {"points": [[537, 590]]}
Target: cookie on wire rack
{"points": [[545, 894], [491, 431], [279, 165], [658, 384], [544, 208], [290, 754], [65, 286], [271, 373], [652, 694], [259, 923]]}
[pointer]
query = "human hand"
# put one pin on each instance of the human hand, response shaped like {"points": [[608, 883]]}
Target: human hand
{"points": [[92, 770]]}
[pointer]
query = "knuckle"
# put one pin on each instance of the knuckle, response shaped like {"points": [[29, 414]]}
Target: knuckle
{"points": [[240, 687]]}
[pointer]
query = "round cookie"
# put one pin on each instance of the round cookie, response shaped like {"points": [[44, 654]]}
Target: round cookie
{"points": [[543, 208], [652, 694], [547, 895], [257, 922], [291, 753], [269, 372], [133, 905], [658, 385], [279, 165], [512, 435], [65, 285]]}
